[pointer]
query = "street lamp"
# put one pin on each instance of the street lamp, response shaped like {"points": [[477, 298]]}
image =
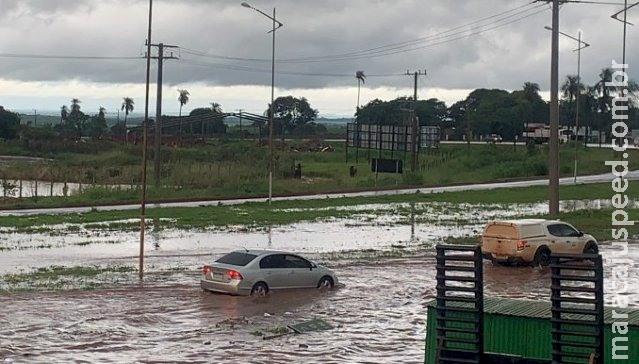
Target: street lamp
{"points": [[276, 26], [582, 45], [144, 143]]}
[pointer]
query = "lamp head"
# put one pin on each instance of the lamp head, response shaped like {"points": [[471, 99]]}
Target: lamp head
{"points": [[246, 5]]}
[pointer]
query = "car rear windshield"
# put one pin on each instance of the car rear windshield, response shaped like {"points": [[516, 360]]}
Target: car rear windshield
{"points": [[237, 258]]}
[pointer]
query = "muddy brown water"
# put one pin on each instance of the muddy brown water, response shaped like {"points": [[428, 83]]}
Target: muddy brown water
{"points": [[378, 316]]}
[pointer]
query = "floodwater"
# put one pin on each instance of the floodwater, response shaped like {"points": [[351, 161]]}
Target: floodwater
{"points": [[27, 188], [378, 316], [384, 261]]}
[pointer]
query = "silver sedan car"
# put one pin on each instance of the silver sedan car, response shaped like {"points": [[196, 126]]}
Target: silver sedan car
{"points": [[256, 272]]}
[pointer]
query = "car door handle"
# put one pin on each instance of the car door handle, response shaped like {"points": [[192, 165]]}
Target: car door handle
{"points": [[291, 272]]}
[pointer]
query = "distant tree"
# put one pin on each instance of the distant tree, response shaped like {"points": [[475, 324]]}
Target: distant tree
{"points": [[9, 124], [75, 105], [397, 112], [216, 108], [127, 106], [183, 98], [212, 121], [605, 91], [64, 112], [531, 91], [570, 89], [76, 120], [102, 112], [290, 113], [97, 126], [539, 109], [589, 108]]}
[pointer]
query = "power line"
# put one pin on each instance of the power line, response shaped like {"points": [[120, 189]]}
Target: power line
{"points": [[439, 38], [439, 35], [394, 48], [259, 70], [44, 56]]}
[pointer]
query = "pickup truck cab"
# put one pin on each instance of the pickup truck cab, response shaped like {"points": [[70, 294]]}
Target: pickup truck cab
{"points": [[531, 241]]}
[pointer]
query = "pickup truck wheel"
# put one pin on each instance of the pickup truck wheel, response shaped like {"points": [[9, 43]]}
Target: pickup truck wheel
{"points": [[542, 257], [591, 248]]}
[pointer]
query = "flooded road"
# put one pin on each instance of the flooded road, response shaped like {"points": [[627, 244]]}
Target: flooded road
{"points": [[378, 316], [384, 260]]}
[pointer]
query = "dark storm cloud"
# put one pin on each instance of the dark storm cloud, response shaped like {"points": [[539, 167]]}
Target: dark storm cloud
{"points": [[504, 57]]}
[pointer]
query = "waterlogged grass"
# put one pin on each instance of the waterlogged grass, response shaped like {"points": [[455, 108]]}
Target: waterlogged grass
{"points": [[286, 212], [62, 277]]}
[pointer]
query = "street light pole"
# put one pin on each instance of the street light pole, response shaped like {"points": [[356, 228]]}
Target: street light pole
{"points": [[553, 145], [144, 144], [577, 106], [581, 45], [276, 26]]}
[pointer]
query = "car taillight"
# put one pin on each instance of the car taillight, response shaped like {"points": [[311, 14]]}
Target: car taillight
{"points": [[233, 274], [521, 244], [206, 269]]}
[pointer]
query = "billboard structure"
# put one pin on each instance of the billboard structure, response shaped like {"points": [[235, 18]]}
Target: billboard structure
{"points": [[390, 137]]}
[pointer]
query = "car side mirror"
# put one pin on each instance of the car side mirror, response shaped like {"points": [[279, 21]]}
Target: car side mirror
{"points": [[581, 233], [313, 265]]}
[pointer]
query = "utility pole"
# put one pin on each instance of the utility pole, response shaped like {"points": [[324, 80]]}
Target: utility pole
{"points": [[35, 117], [240, 110], [415, 126], [157, 139], [553, 144]]}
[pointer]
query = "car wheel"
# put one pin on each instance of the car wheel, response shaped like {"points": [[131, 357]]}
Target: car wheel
{"points": [[542, 257], [260, 289], [325, 283], [591, 248]]}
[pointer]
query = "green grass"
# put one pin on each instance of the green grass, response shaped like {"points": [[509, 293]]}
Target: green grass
{"points": [[233, 168], [55, 272], [261, 214]]}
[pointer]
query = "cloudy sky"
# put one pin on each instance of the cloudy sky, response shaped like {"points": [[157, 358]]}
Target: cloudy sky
{"points": [[224, 50]]}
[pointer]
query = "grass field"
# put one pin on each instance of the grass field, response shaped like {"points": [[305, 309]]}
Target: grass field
{"points": [[224, 168], [258, 214]]}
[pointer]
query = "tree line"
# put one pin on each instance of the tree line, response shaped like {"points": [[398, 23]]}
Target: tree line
{"points": [[482, 112], [494, 111]]}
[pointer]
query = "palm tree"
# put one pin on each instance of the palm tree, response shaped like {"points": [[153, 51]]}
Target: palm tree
{"points": [[127, 106], [64, 112], [75, 106], [216, 108], [604, 90], [571, 89], [361, 78], [183, 98], [589, 106]]}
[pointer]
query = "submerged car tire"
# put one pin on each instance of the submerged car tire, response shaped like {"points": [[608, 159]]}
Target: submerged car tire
{"points": [[591, 248], [260, 289], [326, 282], [542, 257]]}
